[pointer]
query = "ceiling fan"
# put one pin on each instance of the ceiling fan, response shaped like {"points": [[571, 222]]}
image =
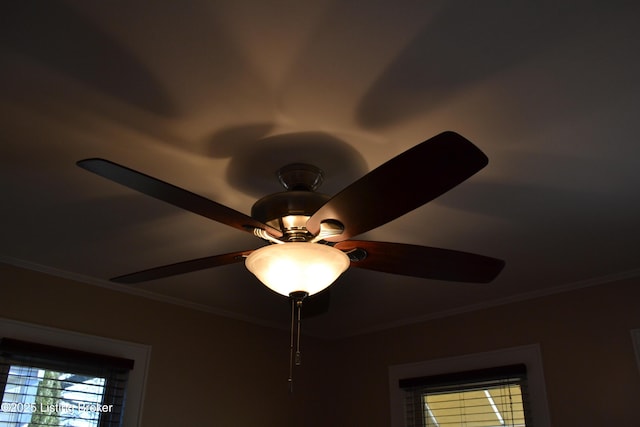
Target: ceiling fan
{"points": [[318, 227]]}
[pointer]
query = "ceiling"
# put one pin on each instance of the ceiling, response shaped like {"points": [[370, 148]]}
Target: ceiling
{"points": [[215, 96]]}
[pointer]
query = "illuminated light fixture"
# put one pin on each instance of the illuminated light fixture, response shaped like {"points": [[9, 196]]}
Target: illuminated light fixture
{"points": [[297, 266]]}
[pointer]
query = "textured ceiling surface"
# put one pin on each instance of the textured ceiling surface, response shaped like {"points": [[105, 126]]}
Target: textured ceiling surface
{"points": [[215, 96]]}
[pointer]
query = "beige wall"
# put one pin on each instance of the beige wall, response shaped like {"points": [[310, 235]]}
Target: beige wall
{"points": [[591, 375], [237, 371]]}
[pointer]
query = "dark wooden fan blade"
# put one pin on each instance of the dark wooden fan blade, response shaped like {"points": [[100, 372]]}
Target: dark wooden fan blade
{"points": [[175, 195], [182, 267], [400, 185], [422, 261]]}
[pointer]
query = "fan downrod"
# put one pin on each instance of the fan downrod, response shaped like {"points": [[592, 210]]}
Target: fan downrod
{"points": [[300, 177]]}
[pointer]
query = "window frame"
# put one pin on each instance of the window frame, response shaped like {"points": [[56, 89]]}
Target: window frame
{"points": [[529, 355], [36, 357], [139, 353], [498, 379]]}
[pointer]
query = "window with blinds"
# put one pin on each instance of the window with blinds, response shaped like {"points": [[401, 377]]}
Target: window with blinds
{"points": [[51, 386], [494, 397]]}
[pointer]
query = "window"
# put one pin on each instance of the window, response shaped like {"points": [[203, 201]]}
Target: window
{"points": [[519, 369], [481, 398], [43, 385], [139, 353]]}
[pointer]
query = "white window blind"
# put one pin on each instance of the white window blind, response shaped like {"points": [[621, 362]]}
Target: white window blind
{"points": [[50, 386], [493, 397]]}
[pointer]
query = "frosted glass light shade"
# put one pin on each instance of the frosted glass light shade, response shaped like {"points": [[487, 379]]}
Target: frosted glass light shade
{"points": [[297, 266]]}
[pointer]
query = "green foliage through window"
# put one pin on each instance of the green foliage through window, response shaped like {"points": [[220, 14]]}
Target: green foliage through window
{"points": [[48, 398]]}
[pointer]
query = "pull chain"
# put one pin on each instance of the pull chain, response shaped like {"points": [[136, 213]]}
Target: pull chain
{"points": [[298, 357], [296, 323], [291, 346]]}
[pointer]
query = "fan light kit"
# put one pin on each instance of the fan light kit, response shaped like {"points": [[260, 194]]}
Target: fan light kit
{"points": [[297, 267], [309, 234]]}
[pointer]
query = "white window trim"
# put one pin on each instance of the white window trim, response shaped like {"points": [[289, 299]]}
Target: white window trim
{"points": [[529, 355], [139, 353]]}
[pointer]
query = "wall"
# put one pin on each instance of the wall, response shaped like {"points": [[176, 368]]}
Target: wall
{"points": [[236, 371], [204, 369], [591, 374]]}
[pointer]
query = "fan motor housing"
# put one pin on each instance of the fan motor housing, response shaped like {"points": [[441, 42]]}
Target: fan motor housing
{"points": [[288, 211]]}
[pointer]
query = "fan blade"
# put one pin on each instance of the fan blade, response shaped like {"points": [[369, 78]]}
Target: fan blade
{"points": [[400, 185], [182, 267], [174, 195], [422, 261]]}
